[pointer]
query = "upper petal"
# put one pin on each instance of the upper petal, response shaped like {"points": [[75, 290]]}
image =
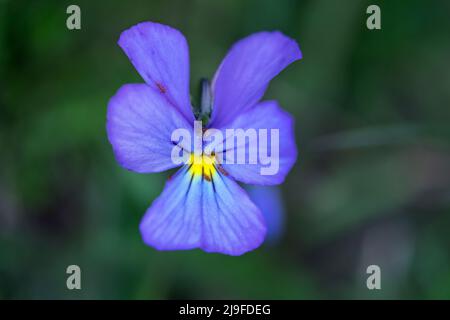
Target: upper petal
{"points": [[214, 215], [139, 125], [161, 56], [244, 74], [277, 158]]}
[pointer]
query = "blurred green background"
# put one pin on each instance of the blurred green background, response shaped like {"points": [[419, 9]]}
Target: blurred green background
{"points": [[371, 185]]}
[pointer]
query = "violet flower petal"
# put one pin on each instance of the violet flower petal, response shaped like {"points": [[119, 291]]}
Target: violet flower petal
{"points": [[269, 201], [215, 216], [244, 74], [161, 56], [140, 122], [265, 115]]}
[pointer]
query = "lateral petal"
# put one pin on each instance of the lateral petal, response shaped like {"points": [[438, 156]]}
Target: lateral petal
{"points": [[139, 125]]}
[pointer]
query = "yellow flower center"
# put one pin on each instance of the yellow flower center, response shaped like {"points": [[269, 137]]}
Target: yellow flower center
{"points": [[202, 165]]}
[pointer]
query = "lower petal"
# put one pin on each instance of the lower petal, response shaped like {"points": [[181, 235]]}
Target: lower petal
{"points": [[212, 214], [173, 222], [232, 222]]}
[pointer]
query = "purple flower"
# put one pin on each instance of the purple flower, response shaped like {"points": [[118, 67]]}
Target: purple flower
{"points": [[269, 200], [202, 205]]}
